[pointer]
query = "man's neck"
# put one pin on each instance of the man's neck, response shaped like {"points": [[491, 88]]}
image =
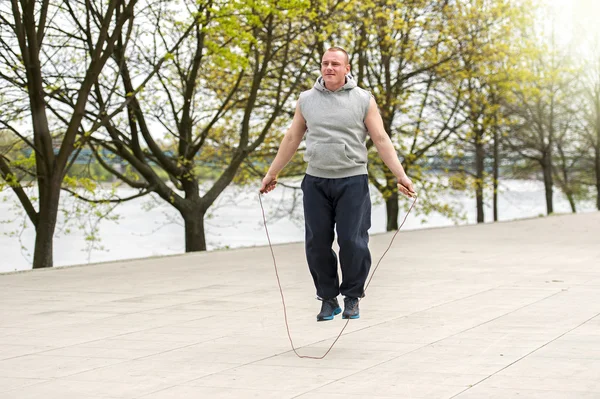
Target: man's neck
{"points": [[334, 88]]}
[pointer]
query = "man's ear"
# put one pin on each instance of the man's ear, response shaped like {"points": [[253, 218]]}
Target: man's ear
{"points": [[348, 69]]}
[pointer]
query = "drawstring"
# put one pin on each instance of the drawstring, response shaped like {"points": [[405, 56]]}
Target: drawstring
{"points": [[281, 290]]}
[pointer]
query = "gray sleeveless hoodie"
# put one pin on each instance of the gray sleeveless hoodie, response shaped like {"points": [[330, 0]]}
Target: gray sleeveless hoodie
{"points": [[336, 132]]}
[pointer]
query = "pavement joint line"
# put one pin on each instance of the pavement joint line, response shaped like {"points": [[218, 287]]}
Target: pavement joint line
{"points": [[393, 319], [153, 354], [31, 385], [234, 366], [316, 342], [132, 313], [427, 309], [70, 292], [142, 357], [440, 340], [237, 389], [214, 339], [137, 296], [132, 261], [527, 354], [131, 332], [113, 337], [193, 379], [98, 339]]}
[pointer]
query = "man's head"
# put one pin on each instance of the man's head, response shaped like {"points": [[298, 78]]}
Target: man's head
{"points": [[334, 67]]}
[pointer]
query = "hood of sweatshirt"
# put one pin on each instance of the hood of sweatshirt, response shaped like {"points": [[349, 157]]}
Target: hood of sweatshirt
{"points": [[350, 84]]}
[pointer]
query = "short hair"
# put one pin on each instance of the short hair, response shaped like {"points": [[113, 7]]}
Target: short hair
{"points": [[342, 50]]}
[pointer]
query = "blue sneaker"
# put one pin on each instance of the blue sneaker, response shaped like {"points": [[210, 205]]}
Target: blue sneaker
{"points": [[351, 310], [329, 308]]}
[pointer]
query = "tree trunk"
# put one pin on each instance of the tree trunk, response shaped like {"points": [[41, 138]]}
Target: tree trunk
{"points": [[193, 216], [566, 183], [479, 171], [548, 182], [496, 173], [46, 223], [572, 202], [598, 171], [597, 148], [195, 239], [392, 211], [362, 57], [44, 237], [479, 200]]}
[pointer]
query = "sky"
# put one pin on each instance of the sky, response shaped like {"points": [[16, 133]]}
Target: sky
{"points": [[575, 21]]}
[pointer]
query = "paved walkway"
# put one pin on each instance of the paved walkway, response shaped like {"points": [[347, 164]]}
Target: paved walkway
{"points": [[509, 310]]}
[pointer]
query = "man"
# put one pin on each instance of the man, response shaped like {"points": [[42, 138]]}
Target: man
{"points": [[336, 117]]}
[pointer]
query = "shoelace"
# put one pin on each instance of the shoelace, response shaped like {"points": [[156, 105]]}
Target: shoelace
{"points": [[281, 290]]}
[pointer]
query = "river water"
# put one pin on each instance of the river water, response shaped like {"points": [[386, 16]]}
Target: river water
{"points": [[148, 227]]}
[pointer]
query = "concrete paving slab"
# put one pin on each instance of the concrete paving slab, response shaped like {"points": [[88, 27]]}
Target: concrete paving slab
{"points": [[501, 310], [187, 391], [505, 393]]}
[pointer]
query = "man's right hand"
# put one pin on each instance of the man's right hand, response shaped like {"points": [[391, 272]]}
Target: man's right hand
{"points": [[268, 183], [405, 186]]}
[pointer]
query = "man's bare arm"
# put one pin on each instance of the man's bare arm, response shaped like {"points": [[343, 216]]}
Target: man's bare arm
{"points": [[386, 149], [288, 147]]}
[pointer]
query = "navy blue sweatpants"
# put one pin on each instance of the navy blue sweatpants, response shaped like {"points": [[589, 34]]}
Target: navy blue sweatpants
{"points": [[343, 204]]}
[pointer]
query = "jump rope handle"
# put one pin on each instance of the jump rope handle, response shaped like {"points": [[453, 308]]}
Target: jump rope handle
{"points": [[412, 195], [271, 184]]}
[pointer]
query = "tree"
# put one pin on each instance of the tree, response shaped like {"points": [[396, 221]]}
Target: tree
{"points": [[587, 48], [219, 98], [402, 53], [570, 160], [592, 116], [487, 30], [543, 114], [40, 57]]}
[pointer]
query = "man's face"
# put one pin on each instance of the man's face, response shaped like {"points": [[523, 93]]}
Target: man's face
{"points": [[334, 69]]}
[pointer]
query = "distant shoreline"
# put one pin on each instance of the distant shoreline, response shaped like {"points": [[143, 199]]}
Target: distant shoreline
{"points": [[149, 228]]}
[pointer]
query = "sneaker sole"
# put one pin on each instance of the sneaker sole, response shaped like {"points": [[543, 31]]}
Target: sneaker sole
{"points": [[327, 318], [351, 317]]}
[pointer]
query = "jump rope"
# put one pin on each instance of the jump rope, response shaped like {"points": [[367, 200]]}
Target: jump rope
{"points": [[281, 290]]}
